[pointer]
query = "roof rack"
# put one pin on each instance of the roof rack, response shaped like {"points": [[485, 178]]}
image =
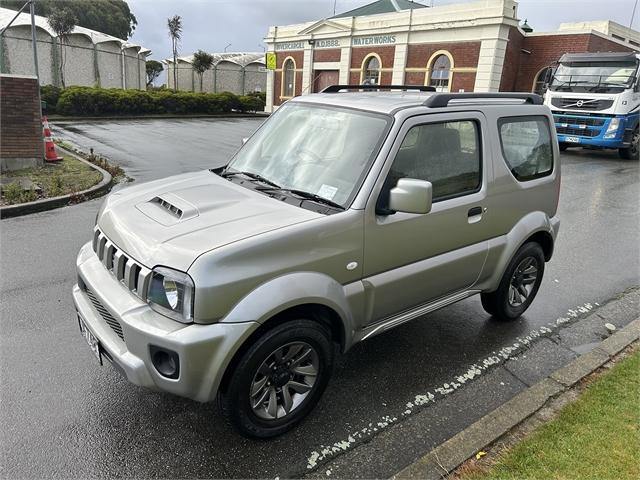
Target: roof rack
{"points": [[337, 88], [443, 99]]}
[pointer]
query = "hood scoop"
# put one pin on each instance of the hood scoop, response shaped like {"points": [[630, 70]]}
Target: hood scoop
{"points": [[168, 209]]}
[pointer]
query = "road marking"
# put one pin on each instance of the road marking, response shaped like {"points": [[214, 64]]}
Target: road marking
{"points": [[325, 452]]}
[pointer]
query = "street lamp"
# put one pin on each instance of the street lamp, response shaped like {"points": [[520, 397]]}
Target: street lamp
{"points": [[225, 48]]}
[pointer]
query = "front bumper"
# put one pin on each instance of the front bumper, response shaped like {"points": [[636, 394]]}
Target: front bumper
{"points": [[591, 130], [204, 350]]}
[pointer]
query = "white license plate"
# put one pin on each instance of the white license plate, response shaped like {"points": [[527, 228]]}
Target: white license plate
{"points": [[572, 139], [92, 341]]}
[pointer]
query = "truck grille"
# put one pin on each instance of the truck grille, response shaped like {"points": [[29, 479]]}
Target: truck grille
{"points": [[104, 313], [132, 275], [581, 103], [579, 132], [588, 121]]}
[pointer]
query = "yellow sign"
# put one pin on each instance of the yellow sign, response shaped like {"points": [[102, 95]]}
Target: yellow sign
{"points": [[270, 60]]}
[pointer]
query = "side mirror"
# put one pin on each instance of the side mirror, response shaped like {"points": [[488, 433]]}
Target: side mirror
{"points": [[245, 140], [411, 195]]}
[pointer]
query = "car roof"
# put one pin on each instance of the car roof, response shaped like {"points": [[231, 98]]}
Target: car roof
{"points": [[389, 102]]}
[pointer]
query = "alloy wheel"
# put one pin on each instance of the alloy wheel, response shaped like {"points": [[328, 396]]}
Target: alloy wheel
{"points": [[284, 380], [523, 281]]}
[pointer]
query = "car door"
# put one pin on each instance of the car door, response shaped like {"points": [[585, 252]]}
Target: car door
{"points": [[412, 259]]}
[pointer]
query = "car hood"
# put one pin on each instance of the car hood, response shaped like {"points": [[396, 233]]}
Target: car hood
{"points": [[172, 221]]}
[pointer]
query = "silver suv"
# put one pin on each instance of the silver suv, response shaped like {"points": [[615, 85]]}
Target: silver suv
{"points": [[346, 214]]}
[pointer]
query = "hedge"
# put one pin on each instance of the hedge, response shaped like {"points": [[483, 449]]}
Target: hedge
{"points": [[114, 101]]}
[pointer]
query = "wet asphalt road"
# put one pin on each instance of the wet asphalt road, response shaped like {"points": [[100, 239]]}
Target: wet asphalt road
{"points": [[63, 415]]}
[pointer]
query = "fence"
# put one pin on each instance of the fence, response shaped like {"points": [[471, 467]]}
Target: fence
{"points": [[84, 62]]}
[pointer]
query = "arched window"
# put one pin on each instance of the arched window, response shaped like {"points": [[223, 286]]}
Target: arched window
{"points": [[542, 80], [289, 78], [371, 71], [440, 73]]}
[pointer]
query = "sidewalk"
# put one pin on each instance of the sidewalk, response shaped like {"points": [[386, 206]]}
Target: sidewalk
{"points": [[452, 453]]}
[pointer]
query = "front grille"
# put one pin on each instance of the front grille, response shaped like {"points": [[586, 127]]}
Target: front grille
{"points": [[588, 121], [579, 132], [133, 275], [581, 103], [104, 313]]}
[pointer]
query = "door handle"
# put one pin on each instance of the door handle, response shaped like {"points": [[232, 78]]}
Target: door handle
{"points": [[474, 211]]}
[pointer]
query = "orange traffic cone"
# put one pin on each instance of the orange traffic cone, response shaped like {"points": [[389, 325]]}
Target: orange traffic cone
{"points": [[49, 147]]}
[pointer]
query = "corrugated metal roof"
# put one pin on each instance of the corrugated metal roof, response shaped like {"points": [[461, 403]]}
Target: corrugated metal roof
{"points": [[381, 6], [24, 19]]}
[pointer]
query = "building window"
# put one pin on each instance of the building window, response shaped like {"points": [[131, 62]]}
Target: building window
{"points": [[542, 80], [371, 71], [440, 73], [288, 78]]}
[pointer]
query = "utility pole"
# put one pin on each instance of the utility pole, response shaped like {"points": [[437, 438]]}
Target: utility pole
{"points": [[635, 6]]}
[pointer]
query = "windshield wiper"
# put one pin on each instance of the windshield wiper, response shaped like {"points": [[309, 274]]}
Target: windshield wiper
{"points": [[308, 196], [252, 175]]}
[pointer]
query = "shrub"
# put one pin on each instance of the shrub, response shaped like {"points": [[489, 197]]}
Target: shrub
{"points": [[113, 101], [49, 95], [13, 193]]}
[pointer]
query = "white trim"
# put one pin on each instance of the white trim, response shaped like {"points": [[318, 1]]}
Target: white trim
{"points": [[326, 65]]}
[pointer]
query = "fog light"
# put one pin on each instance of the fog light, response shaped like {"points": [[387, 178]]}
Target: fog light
{"points": [[166, 362]]}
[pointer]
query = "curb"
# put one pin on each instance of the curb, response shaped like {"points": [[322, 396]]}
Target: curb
{"points": [[56, 202], [63, 120], [449, 455]]}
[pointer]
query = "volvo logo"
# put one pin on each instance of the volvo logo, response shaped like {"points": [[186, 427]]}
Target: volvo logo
{"points": [[579, 103]]}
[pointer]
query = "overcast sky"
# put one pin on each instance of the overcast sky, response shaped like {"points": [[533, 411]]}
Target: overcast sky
{"points": [[213, 24]]}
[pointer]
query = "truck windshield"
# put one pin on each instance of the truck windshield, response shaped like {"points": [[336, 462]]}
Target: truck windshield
{"points": [[603, 77], [324, 151]]}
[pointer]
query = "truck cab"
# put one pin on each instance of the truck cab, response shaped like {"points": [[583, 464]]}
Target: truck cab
{"points": [[595, 101]]}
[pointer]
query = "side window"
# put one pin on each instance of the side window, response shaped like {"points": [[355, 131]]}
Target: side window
{"points": [[526, 146], [445, 154]]}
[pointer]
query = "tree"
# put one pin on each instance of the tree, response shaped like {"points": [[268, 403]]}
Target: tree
{"points": [[112, 17], [154, 69], [174, 24], [62, 22], [202, 61]]}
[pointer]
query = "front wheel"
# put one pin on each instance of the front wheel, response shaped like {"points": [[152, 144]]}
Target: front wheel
{"points": [[519, 284], [279, 379], [633, 151]]}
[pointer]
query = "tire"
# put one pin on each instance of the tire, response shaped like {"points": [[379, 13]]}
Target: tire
{"points": [[632, 152], [505, 304], [253, 416], [563, 146]]}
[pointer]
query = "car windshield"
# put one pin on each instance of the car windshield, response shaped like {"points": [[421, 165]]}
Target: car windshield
{"points": [[593, 76], [324, 151]]}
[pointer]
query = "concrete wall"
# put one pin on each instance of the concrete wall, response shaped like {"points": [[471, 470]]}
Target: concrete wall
{"points": [[110, 65], [21, 142], [225, 76], [255, 78], [79, 68], [86, 64]]}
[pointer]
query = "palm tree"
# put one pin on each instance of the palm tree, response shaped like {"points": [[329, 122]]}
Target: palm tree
{"points": [[175, 33], [202, 61], [62, 22]]}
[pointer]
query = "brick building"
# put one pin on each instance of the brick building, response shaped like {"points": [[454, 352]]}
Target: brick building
{"points": [[474, 46]]}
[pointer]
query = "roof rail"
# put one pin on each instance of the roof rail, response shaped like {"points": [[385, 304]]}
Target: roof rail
{"points": [[443, 99], [337, 88]]}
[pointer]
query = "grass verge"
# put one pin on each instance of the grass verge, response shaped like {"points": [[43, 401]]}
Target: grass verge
{"points": [[595, 437], [53, 179]]}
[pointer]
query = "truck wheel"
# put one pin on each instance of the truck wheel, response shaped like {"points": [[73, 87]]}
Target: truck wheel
{"points": [[279, 380], [632, 152], [518, 286]]}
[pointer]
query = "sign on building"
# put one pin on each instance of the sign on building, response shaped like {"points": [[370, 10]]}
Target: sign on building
{"points": [[270, 60]]}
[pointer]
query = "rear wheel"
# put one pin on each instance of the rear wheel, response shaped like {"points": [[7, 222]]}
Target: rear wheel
{"points": [[279, 379], [519, 284], [632, 152]]}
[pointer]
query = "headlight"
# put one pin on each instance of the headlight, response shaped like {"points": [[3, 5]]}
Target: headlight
{"points": [[170, 293], [613, 125]]}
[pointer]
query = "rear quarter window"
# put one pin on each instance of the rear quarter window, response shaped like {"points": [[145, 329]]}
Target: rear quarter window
{"points": [[526, 146]]}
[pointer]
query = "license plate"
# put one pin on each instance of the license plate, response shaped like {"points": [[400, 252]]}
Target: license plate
{"points": [[572, 139], [92, 341]]}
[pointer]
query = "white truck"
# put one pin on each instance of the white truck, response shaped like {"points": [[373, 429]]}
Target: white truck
{"points": [[595, 101]]}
